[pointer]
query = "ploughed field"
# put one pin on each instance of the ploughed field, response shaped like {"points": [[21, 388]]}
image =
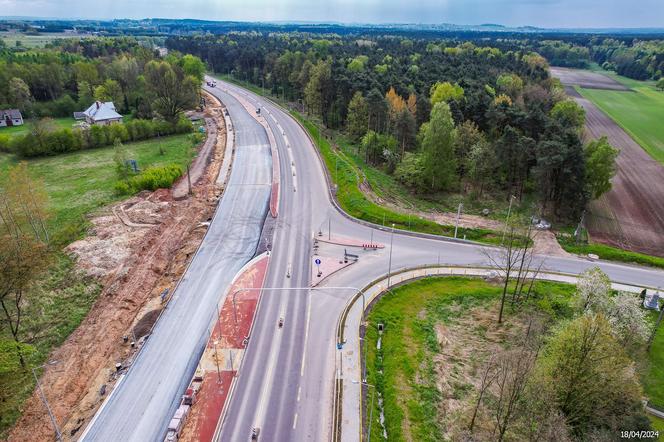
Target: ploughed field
{"points": [[631, 214]]}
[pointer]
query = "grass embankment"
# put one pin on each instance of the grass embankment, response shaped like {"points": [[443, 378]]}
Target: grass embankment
{"points": [[639, 112], [344, 174], [406, 372], [80, 182], [76, 184], [344, 170], [422, 370], [609, 253]]}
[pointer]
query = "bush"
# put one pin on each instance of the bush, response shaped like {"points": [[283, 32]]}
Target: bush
{"points": [[154, 178], [5, 143], [122, 188]]}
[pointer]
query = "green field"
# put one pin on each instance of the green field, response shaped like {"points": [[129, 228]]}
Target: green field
{"points": [[639, 112], [60, 123], [80, 182], [35, 41]]}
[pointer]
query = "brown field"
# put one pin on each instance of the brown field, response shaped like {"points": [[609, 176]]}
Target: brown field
{"points": [[586, 79], [631, 214]]}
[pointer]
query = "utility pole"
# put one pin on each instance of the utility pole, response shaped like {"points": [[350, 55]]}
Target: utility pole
{"points": [[507, 221], [58, 434], [577, 232], [456, 227], [389, 267]]}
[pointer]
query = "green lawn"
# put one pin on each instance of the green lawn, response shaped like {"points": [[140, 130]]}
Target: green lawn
{"points": [[639, 112], [61, 123], [80, 182], [404, 370]]}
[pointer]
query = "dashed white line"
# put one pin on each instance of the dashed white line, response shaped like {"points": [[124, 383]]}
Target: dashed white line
{"points": [[299, 390], [295, 421]]}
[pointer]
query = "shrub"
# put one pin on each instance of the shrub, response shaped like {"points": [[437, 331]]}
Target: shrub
{"points": [[122, 188], [154, 178], [5, 143]]}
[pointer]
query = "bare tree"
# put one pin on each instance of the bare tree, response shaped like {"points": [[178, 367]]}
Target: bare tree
{"points": [[514, 261]]}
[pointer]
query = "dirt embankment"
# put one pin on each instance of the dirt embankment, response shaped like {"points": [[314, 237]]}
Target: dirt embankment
{"points": [[631, 214], [137, 248]]}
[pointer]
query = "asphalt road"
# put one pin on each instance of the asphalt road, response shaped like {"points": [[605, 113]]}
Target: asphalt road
{"points": [[285, 383], [142, 404]]}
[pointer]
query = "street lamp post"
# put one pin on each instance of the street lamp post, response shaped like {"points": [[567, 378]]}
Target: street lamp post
{"points": [[370, 409], [58, 434], [389, 267]]}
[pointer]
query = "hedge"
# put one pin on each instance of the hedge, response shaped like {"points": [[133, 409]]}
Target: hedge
{"points": [[70, 140]]}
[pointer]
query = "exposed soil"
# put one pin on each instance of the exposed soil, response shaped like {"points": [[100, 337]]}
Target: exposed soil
{"points": [[137, 249], [631, 214], [587, 79], [545, 241]]}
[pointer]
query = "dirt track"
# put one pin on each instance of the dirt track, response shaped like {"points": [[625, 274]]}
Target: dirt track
{"points": [[153, 237], [631, 214]]}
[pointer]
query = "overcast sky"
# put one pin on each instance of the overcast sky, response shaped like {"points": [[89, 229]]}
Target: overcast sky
{"points": [[543, 13]]}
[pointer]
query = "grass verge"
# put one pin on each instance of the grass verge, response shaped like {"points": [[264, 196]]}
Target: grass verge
{"points": [[404, 369], [609, 253]]}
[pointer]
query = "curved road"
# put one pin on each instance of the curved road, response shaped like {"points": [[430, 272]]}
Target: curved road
{"points": [[286, 379], [285, 383]]}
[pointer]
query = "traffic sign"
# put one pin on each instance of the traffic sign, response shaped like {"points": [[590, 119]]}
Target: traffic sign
{"points": [[317, 261]]}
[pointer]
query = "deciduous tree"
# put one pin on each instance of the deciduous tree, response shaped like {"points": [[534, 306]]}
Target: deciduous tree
{"points": [[438, 148], [600, 166]]}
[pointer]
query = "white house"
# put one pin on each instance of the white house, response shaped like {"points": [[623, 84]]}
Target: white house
{"points": [[10, 117], [102, 113]]}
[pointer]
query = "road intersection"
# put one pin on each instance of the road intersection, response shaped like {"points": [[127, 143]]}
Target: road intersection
{"points": [[286, 381]]}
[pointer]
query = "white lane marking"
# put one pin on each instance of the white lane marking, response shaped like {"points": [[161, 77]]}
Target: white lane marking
{"points": [[299, 390], [295, 421], [306, 337], [273, 119], [286, 140]]}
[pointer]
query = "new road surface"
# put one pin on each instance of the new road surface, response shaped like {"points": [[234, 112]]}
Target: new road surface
{"points": [[285, 384], [286, 380], [144, 400]]}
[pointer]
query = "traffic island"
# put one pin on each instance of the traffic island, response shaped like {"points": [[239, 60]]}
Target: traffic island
{"points": [[201, 410]]}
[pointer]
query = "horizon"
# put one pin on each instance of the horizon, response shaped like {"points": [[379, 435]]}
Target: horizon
{"points": [[547, 14], [324, 22]]}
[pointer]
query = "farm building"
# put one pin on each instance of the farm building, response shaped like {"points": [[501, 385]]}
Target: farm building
{"points": [[102, 113], [10, 117]]}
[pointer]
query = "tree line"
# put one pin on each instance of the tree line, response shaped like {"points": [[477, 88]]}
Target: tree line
{"points": [[441, 116], [70, 74]]}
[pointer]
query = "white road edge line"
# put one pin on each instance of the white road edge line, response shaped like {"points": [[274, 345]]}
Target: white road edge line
{"points": [[306, 339]]}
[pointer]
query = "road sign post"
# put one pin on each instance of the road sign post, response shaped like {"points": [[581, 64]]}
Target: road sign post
{"points": [[318, 262]]}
